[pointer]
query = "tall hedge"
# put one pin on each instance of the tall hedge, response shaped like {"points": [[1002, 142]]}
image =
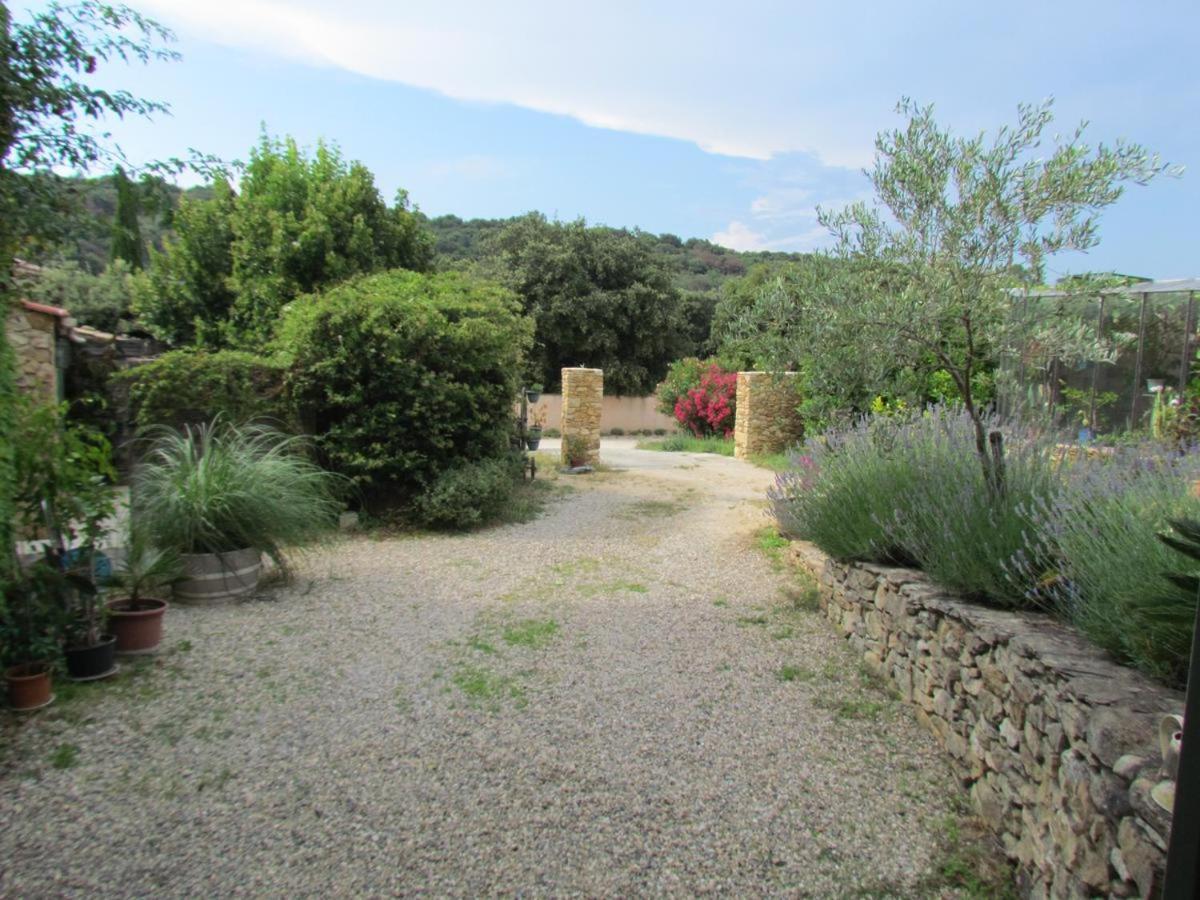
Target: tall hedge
{"points": [[401, 376], [8, 392], [186, 387]]}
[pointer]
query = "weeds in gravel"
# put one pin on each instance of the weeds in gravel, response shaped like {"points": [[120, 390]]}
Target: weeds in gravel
{"points": [[794, 673], [65, 756], [534, 633], [486, 688], [969, 862], [645, 509]]}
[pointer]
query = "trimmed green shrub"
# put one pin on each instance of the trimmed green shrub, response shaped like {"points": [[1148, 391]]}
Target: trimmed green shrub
{"points": [[468, 496], [1109, 575], [402, 376], [189, 387]]}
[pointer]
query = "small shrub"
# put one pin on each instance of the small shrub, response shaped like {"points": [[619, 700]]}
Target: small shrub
{"points": [[574, 450], [551, 433], [659, 432], [189, 387], [616, 432], [468, 496], [682, 376], [708, 409]]}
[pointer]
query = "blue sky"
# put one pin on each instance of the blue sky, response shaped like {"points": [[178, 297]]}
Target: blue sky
{"points": [[728, 121]]}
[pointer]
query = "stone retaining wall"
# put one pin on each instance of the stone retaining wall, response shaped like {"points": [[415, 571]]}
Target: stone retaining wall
{"points": [[1056, 744], [32, 332]]}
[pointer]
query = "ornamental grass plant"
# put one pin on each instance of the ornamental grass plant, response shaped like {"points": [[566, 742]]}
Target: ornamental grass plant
{"points": [[220, 487]]}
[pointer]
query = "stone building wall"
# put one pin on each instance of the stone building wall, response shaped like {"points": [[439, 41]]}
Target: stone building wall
{"points": [[1057, 744], [33, 336], [766, 420], [582, 402]]}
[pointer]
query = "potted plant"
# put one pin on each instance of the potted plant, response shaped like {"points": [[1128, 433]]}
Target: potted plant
{"points": [[221, 495], [533, 393], [31, 634], [537, 421], [135, 618], [574, 451], [64, 487]]}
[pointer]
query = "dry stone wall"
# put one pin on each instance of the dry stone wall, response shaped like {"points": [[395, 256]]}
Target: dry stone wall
{"points": [[582, 402], [766, 420], [1057, 744]]}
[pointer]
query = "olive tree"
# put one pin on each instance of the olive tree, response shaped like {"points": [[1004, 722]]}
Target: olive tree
{"points": [[928, 270]]}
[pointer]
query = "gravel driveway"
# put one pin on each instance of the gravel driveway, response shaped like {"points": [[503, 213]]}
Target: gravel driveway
{"points": [[627, 696]]}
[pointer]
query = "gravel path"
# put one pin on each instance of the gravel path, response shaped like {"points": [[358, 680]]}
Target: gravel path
{"points": [[623, 697]]}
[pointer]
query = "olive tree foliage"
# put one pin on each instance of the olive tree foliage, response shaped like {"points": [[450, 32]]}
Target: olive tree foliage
{"points": [[925, 274], [49, 111], [297, 223], [598, 298]]}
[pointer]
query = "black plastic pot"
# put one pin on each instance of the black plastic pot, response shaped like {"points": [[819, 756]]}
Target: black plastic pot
{"points": [[533, 396], [96, 661], [533, 437]]}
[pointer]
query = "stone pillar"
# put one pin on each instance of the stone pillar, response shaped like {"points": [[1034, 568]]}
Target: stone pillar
{"points": [[582, 396], [766, 420]]}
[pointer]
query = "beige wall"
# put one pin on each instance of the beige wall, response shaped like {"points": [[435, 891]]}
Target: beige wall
{"points": [[32, 336], [628, 413]]}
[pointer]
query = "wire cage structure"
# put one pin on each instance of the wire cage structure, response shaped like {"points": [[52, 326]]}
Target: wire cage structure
{"points": [[1154, 326]]}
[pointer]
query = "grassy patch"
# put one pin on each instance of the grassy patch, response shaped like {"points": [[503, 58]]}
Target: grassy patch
{"points": [[534, 633], [65, 756], [772, 544], [613, 587], [572, 568], [859, 708], [530, 498], [645, 509], [487, 689], [969, 863], [794, 673], [683, 443], [720, 602], [776, 462], [760, 619]]}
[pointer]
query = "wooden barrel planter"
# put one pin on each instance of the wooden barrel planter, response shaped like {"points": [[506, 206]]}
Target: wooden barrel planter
{"points": [[213, 578]]}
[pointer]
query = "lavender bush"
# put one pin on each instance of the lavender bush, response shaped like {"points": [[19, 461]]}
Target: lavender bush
{"points": [[911, 490], [1108, 575]]}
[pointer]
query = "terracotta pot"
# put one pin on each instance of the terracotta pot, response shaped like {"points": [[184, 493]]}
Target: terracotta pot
{"points": [[28, 686], [213, 578], [138, 630]]}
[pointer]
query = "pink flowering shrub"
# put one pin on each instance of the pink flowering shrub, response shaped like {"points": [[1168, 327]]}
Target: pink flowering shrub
{"points": [[708, 409]]}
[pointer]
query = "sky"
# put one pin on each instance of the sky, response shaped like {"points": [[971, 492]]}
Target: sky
{"points": [[730, 121]]}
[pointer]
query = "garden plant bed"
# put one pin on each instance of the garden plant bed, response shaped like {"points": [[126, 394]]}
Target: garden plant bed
{"points": [[1058, 744], [622, 697]]}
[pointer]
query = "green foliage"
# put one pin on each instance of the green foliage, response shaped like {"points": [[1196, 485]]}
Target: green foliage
{"points": [[8, 401], [682, 375], [302, 224], [298, 224], [686, 443], [188, 387], [101, 301], [218, 487], [468, 496], [598, 298], [921, 280], [909, 489], [1109, 573], [127, 243], [402, 376], [186, 295]]}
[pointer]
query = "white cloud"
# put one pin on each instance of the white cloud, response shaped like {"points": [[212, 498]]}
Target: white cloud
{"points": [[631, 68], [739, 236]]}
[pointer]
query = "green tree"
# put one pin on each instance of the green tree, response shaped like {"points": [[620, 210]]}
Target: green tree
{"points": [[301, 224], [47, 97], [102, 301], [186, 294], [925, 274], [127, 242], [598, 298]]}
